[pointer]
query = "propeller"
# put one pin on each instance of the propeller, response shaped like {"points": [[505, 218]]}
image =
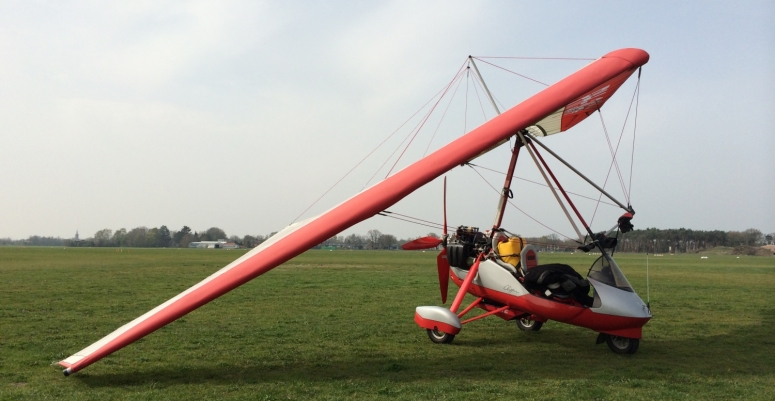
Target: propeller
{"points": [[442, 264], [430, 242], [422, 243]]}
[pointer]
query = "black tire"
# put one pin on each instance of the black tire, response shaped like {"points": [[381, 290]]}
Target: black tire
{"points": [[527, 324], [440, 337], [622, 345]]}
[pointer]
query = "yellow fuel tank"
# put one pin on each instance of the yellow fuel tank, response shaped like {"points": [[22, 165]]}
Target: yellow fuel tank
{"points": [[510, 250]]}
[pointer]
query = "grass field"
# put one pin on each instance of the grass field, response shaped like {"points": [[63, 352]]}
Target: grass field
{"points": [[338, 325]]}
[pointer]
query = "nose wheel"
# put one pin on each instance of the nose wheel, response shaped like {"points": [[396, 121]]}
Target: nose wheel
{"points": [[528, 324], [619, 345], [440, 337]]}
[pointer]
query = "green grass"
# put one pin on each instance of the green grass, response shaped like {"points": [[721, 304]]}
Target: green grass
{"points": [[338, 325]]}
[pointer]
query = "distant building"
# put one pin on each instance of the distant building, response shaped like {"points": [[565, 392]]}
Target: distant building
{"points": [[220, 244]]}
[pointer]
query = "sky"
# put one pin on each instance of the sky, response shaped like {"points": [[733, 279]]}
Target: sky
{"points": [[241, 114]]}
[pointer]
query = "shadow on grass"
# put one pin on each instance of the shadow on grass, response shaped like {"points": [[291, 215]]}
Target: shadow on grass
{"points": [[745, 351]]}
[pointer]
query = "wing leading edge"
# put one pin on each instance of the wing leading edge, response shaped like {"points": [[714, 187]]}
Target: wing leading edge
{"points": [[302, 236]]}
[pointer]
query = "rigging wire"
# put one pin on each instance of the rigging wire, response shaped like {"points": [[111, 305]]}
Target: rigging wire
{"points": [[478, 81], [411, 221], [522, 211], [613, 152], [431, 224], [544, 185], [434, 224], [613, 161], [481, 106], [414, 131], [537, 58], [465, 110], [387, 159], [648, 290], [545, 169], [621, 135], [391, 155], [378, 146], [515, 73], [634, 129], [418, 130], [442, 118]]}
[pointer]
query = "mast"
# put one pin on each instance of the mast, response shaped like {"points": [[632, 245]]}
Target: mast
{"points": [[484, 85], [506, 193]]}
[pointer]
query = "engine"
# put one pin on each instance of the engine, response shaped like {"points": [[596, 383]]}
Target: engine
{"points": [[465, 245]]}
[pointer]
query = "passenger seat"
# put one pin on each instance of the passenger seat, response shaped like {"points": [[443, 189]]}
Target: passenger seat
{"points": [[529, 258]]}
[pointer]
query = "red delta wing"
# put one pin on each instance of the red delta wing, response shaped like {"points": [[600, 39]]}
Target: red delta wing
{"points": [[302, 236]]}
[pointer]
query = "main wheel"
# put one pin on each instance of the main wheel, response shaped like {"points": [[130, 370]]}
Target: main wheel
{"points": [[622, 345], [440, 337], [528, 324]]}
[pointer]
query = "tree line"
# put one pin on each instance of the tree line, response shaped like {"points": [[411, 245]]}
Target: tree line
{"points": [[374, 239], [163, 237], [681, 240], [649, 240], [142, 237]]}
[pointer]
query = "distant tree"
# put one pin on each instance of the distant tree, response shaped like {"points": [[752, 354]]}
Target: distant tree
{"points": [[137, 237], [187, 239], [374, 236], [753, 237], [735, 238], [103, 237], [354, 241], [36, 240], [553, 237], [151, 237], [179, 235], [119, 237], [434, 235], [163, 238], [386, 241], [212, 234], [250, 241], [336, 240]]}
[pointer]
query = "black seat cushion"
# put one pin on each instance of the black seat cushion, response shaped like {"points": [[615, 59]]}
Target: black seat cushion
{"points": [[562, 281]]}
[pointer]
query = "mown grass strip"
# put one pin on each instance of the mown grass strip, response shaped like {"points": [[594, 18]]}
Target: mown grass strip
{"points": [[338, 325]]}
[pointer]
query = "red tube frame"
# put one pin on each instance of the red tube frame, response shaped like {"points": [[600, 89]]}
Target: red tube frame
{"points": [[469, 307], [466, 283]]}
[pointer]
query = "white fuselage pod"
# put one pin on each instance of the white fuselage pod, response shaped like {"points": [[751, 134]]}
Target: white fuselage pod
{"points": [[612, 301], [494, 276], [617, 302]]}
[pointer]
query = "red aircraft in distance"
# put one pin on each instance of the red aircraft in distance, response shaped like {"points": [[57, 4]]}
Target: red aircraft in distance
{"points": [[495, 266]]}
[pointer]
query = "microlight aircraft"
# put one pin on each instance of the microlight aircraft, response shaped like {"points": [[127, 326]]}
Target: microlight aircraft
{"points": [[615, 311]]}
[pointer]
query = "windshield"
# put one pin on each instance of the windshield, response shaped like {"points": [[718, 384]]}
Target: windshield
{"points": [[606, 271]]}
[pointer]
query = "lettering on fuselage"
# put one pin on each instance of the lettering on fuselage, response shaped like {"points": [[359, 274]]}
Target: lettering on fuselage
{"points": [[511, 290]]}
